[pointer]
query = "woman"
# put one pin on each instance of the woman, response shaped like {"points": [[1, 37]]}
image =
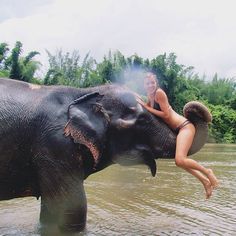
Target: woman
{"points": [[158, 105]]}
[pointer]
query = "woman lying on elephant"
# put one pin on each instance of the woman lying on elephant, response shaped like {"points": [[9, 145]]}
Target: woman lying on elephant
{"points": [[158, 105]]}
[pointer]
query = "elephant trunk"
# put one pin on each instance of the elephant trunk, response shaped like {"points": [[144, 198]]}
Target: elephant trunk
{"points": [[200, 116]]}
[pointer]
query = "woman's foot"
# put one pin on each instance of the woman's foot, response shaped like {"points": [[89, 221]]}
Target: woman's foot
{"points": [[214, 181], [208, 188]]}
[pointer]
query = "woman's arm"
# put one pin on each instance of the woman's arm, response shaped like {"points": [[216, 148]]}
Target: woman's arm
{"points": [[164, 105]]}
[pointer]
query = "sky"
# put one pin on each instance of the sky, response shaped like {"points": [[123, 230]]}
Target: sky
{"points": [[202, 33]]}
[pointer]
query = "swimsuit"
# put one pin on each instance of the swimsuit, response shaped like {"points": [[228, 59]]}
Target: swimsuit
{"points": [[186, 122], [176, 130], [156, 106]]}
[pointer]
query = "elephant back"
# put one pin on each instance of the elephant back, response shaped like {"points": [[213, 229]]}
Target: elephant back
{"points": [[200, 116]]}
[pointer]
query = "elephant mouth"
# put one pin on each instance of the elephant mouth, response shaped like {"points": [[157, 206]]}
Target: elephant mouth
{"points": [[138, 155]]}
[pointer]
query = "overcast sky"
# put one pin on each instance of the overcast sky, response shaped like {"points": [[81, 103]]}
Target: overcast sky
{"points": [[202, 33]]}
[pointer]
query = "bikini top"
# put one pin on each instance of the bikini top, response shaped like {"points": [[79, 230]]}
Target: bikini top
{"points": [[156, 106]]}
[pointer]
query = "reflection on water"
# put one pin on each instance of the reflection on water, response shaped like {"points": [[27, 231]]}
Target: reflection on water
{"points": [[128, 201]]}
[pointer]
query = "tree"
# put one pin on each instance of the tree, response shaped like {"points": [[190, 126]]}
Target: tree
{"points": [[3, 54], [219, 91], [62, 68], [3, 57], [28, 66], [15, 66], [105, 70], [15, 72], [223, 127], [66, 69], [111, 69]]}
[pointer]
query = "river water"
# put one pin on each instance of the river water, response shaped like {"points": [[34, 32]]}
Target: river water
{"points": [[128, 201]]}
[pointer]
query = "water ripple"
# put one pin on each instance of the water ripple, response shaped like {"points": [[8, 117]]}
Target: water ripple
{"points": [[128, 201]]}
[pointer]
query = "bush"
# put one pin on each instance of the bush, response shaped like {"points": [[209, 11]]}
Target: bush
{"points": [[223, 127]]}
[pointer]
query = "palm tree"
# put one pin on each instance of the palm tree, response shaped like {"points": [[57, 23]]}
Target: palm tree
{"points": [[28, 66], [13, 60], [20, 68]]}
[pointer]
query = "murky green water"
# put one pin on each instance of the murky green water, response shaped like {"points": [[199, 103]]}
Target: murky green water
{"points": [[128, 201]]}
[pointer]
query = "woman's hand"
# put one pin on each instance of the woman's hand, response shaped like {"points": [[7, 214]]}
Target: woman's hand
{"points": [[138, 98], [141, 102]]}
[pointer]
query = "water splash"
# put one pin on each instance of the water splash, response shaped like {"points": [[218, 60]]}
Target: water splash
{"points": [[133, 79]]}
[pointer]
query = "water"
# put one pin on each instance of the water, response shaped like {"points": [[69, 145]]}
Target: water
{"points": [[128, 201]]}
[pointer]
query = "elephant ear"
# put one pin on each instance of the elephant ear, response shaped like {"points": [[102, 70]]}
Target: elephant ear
{"points": [[87, 124]]}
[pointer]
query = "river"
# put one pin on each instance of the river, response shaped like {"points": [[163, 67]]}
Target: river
{"points": [[128, 201]]}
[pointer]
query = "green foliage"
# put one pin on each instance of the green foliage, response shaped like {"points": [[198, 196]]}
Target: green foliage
{"points": [[223, 127], [218, 91], [3, 55], [67, 69], [232, 102], [15, 72], [62, 68], [4, 73], [111, 69], [36, 81], [183, 93], [105, 70], [15, 66], [28, 69]]}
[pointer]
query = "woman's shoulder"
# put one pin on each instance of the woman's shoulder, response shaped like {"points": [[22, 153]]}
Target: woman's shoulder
{"points": [[160, 93]]}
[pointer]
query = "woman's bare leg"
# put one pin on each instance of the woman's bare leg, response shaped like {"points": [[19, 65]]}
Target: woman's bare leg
{"points": [[183, 144], [192, 164], [205, 181]]}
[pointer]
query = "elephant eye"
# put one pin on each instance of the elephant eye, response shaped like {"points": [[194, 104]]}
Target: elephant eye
{"points": [[133, 109], [129, 113]]}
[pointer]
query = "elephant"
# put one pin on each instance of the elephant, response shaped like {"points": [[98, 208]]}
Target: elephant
{"points": [[53, 137]]}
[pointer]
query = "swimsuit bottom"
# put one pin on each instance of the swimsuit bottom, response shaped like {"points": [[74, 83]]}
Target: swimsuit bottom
{"points": [[186, 122]]}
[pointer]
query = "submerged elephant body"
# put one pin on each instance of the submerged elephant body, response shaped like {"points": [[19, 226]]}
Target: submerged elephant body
{"points": [[52, 138]]}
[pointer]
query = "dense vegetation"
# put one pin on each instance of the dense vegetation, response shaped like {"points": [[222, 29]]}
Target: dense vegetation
{"points": [[180, 82]]}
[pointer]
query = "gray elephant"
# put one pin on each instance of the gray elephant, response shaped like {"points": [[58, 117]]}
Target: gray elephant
{"points": [[53, 137]]}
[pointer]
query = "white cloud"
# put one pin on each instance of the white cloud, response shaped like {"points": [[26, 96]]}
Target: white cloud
{"points": [[22, 8], [201, 33]]}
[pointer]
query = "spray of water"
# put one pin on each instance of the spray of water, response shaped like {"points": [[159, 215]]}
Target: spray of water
{"points": [[133, 78]]}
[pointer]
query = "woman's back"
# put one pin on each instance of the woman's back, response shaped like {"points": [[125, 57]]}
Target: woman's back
{"points": [[161, 103]]}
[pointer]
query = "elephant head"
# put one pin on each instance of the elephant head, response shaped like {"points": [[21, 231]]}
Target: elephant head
{"points": [[110, 123]]}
